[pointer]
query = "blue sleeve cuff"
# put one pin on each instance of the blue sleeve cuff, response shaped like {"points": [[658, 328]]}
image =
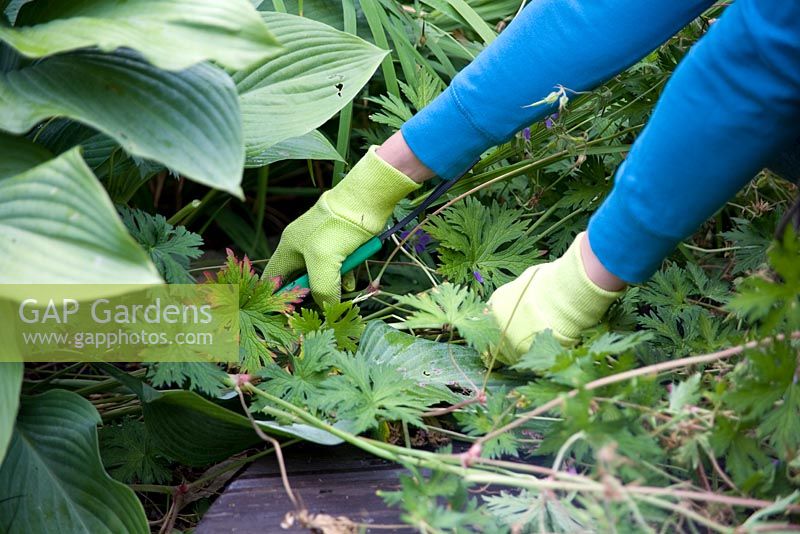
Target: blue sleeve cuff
{"points": [[552, 43], [444, 138], [622, 239]]}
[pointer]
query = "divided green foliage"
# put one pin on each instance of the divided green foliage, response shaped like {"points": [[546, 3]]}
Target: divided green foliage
{"points": [[452, 307], [609, 353], [774, 303], [169, 247], [480, 419], [419, 93], [301, 381], [562, 369], [131, 456], [528, 508], [342, 319], [263, 311], [751, 239], [143, 142], [367, 392], [204, 377], [483, 247], [439, 501], [684, 310]]}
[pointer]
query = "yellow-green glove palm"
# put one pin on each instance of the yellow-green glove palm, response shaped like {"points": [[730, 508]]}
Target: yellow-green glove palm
{"points": [[342, 220], [556, 295]]}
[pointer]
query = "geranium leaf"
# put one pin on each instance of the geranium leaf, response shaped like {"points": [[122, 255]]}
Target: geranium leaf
{"points": [[453, 307], [482, 246], [168, 246], [263, 310]]}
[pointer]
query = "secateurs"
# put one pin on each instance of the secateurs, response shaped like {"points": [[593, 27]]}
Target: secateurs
{"points": [[374, 245]]}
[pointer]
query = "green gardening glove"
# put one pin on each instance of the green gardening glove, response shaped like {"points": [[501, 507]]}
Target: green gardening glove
{"points": [[556, 295], [342, 220]]}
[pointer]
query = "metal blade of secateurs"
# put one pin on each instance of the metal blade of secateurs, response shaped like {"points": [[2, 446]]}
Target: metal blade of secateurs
{"points": [[440, 190]]}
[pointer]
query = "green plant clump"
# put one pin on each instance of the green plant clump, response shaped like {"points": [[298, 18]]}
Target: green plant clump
{"points": [[139, 140]]}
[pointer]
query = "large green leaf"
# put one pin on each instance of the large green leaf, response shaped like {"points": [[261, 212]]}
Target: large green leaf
{"points": [[312, 145], [171, 34], [429, 362], [198, 432], [52, 479], [321, 70], [10, 384], [187, 120], [17, 155], [58, 226], [424, 361]]}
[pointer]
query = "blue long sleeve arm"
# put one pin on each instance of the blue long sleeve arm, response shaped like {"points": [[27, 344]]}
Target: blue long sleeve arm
{"points": [[732, 104], [574, 43]]}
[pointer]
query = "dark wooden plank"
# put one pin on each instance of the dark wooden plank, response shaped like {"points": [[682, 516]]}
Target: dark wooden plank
{"points": [[310, 458], [338, 481]]}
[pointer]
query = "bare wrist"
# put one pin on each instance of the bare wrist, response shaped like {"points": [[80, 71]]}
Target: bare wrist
{"points": [[396, 152], [596, 271]]}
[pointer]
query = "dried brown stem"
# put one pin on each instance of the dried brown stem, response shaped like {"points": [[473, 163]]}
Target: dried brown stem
{"points": [[278, 452], [634, 373]]}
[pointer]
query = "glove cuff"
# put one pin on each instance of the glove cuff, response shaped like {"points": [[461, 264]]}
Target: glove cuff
{"points": [[578, 302], [368, 194]]}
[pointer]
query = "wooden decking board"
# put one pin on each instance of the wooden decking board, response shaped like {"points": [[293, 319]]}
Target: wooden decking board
{"points": [[338, 481]]}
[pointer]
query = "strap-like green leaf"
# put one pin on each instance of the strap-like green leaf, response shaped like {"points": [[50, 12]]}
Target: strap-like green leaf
{"points": [[187, 120], [17, 155], [312, 145], [171, 34], [57, 225], [52, 479], [321, 70], [10, 384]]}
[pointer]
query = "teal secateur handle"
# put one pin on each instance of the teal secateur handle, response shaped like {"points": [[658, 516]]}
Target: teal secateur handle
{"points": [[361, 254]]}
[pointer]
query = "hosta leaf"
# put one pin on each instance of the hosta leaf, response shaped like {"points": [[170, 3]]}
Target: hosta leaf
{"points": [[10, 385], [422, 360], [52, 480], [18, 155], [58, 226], [187, 120], [198, 432], [194, 430], [321, 70], [171, 34], [312, 145]]}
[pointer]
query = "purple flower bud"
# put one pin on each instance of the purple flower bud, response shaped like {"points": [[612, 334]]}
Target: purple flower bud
{"points": [[423, 240], [420, 241], [549, 122], [526, 134], [478, 276]]}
